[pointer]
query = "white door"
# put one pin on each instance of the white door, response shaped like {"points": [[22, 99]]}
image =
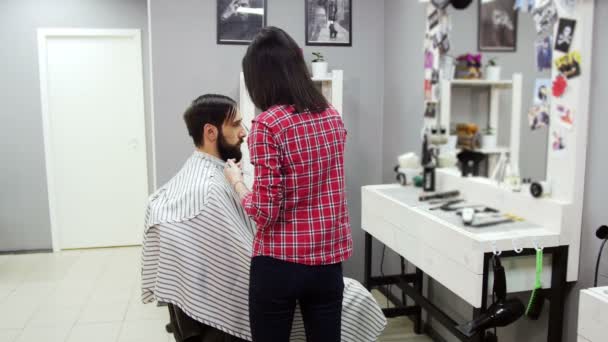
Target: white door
{"points": [[93, 114]]}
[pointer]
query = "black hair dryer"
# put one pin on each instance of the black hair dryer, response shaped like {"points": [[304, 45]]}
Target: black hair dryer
{"points": [[500, 314]]}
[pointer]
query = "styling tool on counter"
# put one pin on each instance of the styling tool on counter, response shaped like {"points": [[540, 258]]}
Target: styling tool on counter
{"points": [[432, 139], [535, 305], [457, 206], [447, 205], [468, 215], [481, 217], [428, 164], [502, 312], [481, 210], [439, 195]]}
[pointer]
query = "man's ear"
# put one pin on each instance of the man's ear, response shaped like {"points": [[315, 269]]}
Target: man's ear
{"points": [[210, 132]]}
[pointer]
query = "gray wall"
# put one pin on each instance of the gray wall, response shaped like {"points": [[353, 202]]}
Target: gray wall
{"points": [[187, 62], [24, 212], [402, 120]]}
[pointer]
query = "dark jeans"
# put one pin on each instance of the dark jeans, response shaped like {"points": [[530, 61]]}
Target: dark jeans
{"points": [[275, 287]]}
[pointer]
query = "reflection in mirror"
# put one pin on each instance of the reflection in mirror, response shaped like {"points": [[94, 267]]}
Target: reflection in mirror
{"points": [[508, 40]]}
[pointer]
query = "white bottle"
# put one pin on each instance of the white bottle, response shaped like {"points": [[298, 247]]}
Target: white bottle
{"points": [[512, 179]]}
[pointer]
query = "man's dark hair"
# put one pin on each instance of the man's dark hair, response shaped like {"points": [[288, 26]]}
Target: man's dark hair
{"points": [[276, 73], [208, 109]]}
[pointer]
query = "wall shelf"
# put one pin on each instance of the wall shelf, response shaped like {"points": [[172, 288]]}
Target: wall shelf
{"points": [[481, 83], [495, 88]]}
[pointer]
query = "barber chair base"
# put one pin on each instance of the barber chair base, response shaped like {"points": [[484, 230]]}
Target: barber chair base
{"points": [[186, 329]]}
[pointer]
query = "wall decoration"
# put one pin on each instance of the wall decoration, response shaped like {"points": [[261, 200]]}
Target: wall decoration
{"points": [[566, 117], [558, 141], [438, 30], [428, 90], [538, 115], [559, 86], [433, 19], [441, 42], [541, 91], [435, 77], [238, 21], [524, 5], [569, 65], [545, 16], [544, 53], [441, 4], [568, 6], [430, 110], [329, 22], [497, 29], [428, 59], [565, 34]]}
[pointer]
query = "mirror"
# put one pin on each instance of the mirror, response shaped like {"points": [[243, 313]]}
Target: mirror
{"points": [[494, 30]]}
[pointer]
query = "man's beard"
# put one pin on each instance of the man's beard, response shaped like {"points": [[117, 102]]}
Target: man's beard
{"points": [[228, 151]]}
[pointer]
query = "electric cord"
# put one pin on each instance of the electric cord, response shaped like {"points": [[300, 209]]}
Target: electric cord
{"points": [[386, 288], [494, 302], [597, 264]]}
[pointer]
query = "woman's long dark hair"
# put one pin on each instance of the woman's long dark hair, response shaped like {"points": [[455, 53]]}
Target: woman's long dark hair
{"points": [[276, 73]]}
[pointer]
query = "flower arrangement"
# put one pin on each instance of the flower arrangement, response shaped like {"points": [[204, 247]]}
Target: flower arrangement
{"points": [[469, 66]]}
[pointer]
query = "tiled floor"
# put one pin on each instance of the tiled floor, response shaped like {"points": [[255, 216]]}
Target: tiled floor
{"points": [[92, 296]]}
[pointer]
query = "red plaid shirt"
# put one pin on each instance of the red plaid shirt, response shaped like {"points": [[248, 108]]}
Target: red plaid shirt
{"points": [[298, 199]]}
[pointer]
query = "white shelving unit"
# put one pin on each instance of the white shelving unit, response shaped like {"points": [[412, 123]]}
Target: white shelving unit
{"points": [[482, 83], [495, 89], [331, 86]]}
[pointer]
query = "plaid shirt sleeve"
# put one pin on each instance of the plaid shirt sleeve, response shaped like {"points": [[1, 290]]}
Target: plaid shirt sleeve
{"points": [[263, 203]]}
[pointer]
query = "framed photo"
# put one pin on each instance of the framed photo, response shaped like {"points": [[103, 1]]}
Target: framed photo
{"points": [[329, 22], [497, 28], [238, 21]]}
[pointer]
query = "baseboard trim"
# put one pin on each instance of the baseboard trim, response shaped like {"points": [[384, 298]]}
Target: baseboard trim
{"points": [[30, 251]]}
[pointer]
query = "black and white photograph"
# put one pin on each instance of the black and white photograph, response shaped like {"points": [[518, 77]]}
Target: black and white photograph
{"points": [[544, 53], [565, 33], [238, 21], [329, 22], [497, 26]]}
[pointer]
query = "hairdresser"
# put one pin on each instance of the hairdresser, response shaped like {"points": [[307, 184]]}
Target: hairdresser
{"points": [[298, 199]]}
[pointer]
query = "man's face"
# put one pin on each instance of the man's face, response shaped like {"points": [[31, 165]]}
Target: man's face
{"points": [[231, 137], [243, 3]]}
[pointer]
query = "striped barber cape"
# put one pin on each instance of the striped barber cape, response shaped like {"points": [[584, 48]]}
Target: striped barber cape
{"points": [[197, 251]]}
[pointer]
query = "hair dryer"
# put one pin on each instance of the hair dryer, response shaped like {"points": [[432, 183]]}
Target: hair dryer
{"points": [[499, 314]]}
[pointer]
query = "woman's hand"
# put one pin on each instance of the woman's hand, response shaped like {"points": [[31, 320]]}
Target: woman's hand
{"points": [[233, 172]]}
